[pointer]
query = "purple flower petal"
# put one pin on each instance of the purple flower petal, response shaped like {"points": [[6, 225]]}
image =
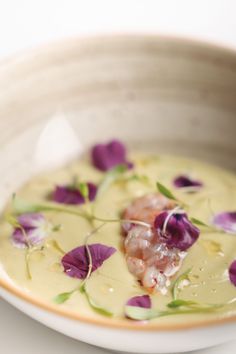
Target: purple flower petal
{"points": [[31, 237], [232, 272], [31, 220], [140, 301], [184, 181], [70, 195], [107, 156], [76, 262], [179, 233], [226, 221], [31, 232]]}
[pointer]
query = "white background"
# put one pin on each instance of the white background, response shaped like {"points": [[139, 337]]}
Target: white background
{"points": [[27, 23]]}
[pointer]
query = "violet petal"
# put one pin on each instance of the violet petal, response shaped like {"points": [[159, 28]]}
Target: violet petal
{"points": [[31, 237], [180, 232], [107, 156], [183, 181], [70, 195], [31, 220], [140, 301], [76, 262], [33, 229], [226, 221], [232, 272]]}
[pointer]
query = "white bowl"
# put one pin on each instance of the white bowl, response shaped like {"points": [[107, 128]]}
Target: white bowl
{"points": [[174, 95]]}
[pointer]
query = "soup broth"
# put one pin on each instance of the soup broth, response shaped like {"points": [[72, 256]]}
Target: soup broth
{"points": [[64, 239]]}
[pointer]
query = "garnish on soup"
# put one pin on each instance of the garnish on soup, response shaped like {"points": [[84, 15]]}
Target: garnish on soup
{"points": [[232, 272], [154, 254], [76, 262], [107, 156], [226, 221], [74, 194], [127, 246], [30, 230], [187, 183]]}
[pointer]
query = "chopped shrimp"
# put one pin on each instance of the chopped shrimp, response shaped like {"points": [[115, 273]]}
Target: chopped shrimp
{"points": [[146, 208], [148, 258]]}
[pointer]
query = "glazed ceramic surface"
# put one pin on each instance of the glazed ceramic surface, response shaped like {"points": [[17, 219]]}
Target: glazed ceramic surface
{"points": [[175, 96]]}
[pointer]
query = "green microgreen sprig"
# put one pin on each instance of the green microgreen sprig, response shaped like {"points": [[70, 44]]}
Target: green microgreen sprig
{"points": [[207, 227], [84, 190], [176, 306], [166, 192], [30, 249], [63, 297], [169, 195], [142, 314], [93, 305], [180, 302], [198, 222], [176, 285], [14, 223], [139, 178], [110, 177], [21, 206]]}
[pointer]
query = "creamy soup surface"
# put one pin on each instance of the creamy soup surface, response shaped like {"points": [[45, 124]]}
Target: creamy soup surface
{"points": [[202, 281]]}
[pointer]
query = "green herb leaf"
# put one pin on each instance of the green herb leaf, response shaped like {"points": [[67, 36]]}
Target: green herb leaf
{"points": [[179, 303], [198, 222], [176, 284], [166, 192], [63, 297], [84, 190]]}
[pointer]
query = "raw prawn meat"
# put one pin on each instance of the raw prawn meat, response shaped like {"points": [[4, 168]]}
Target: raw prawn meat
{"points": [[148, 257]]}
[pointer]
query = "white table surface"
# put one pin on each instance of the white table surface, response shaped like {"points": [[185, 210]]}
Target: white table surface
{"points": [[27, 23]]}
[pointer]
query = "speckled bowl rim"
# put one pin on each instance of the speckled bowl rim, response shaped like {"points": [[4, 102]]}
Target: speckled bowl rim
{"points": [[105, 322]]}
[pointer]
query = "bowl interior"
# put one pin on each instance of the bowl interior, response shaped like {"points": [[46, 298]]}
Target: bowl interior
{"points": [[157, 94]]}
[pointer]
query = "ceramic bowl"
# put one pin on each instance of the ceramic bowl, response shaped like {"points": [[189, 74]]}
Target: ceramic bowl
{"points": [[173, 95]]}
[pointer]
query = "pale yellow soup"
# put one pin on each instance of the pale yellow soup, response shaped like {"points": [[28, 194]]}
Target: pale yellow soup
{"points": [[112, 284]]}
